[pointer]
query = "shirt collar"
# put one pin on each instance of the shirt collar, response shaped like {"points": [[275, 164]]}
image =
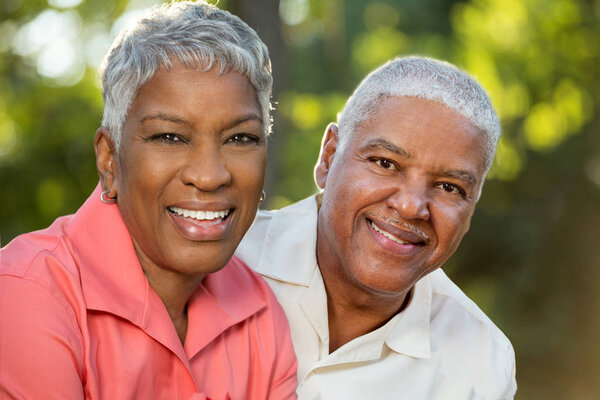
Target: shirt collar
{"points": [[112, 278], [409, 331], [291, 235], [288, 254], [113, 281], [222, 300]]}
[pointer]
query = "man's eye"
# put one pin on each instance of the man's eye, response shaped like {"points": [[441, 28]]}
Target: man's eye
{"points": [[452, 188], [242, 138], [385, 163]]}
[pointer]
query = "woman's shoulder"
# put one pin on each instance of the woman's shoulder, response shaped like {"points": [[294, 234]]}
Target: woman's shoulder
{"points": [[42, 259], [41, 307], [23, 250]]}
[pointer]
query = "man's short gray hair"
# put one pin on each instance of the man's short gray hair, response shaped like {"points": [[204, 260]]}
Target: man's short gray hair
{"points": [[200, 36], [427, 79]]}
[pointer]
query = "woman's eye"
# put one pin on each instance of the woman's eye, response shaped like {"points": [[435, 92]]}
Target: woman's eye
{"points": [[242, 138], [169, 138], [385, 163], [452, 188]]}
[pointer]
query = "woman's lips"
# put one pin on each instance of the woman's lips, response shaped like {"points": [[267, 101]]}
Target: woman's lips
{"points": [[201, 225], [200, 215]]}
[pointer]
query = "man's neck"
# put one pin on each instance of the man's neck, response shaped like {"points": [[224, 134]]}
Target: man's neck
{"points": [[354, 313], [352, 310]]}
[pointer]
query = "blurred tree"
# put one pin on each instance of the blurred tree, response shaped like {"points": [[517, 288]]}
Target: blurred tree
{"points": [[50, 107], [263, 16], [539, 218]]}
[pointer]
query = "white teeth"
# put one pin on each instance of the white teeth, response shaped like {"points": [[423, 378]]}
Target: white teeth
{"points": [[388, 235], [200, 215]]}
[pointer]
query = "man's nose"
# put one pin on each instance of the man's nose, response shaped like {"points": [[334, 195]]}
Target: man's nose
{"points": [[410, 201], [206, 169]]}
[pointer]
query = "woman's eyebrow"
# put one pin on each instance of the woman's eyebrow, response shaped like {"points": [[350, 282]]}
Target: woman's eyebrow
{"points": [[242, 119], [165, 117]]}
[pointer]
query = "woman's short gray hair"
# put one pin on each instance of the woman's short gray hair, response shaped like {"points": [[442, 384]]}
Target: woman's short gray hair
{"points": [[199, 35], [427, 79]]}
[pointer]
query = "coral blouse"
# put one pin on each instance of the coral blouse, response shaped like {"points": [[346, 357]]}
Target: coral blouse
{"points": [[79, 320]]}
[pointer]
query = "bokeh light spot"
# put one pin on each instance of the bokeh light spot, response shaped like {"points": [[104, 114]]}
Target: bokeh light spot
{"points": [[9, 137], [379, 14], [293, 12], [64, 3], [306, 111], [373, 48], [545, 127], [507, 163]]}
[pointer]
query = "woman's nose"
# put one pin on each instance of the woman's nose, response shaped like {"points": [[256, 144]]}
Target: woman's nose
{"points": [[206, 169], [410, 201]]}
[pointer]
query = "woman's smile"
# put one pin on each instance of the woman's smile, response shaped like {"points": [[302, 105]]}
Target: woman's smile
{"points": [[201, 225]]}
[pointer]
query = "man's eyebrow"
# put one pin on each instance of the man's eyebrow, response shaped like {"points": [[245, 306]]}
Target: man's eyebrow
{"points": [[379, 143], [462, 175], [242, 119], [165, 117]]}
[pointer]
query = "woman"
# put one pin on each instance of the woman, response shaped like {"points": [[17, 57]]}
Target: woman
{"points": [[136, 295]]}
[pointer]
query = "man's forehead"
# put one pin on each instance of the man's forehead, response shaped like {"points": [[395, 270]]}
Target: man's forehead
{"points": [[407, 107], [412, 128]]}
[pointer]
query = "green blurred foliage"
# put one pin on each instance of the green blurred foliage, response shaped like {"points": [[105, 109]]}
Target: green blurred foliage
{"points": [[530, 260]]}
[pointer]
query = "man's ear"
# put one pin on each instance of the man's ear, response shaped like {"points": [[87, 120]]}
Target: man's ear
{"points": [[328, 148], [106, 161]]}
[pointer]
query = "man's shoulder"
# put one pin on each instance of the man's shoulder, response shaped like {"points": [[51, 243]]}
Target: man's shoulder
{"points": [[449, 298], [297, 212], [462, 332], [277, 235]]}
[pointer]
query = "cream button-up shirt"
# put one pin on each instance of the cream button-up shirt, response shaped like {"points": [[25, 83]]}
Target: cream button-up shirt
{"points": [[441, 346]]}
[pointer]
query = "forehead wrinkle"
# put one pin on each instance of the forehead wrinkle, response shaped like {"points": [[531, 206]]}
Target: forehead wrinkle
{"points": [[165, 117], [380, 143], [177, 120]]}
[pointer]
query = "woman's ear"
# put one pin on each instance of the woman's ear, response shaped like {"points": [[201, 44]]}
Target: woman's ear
{"points": [[106, 161], [328, 148]]}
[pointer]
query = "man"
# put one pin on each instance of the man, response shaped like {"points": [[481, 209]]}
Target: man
{"points": [[356, 267]]}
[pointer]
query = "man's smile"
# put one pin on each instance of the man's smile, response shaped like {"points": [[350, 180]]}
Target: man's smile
{"points": [[396, 238]]}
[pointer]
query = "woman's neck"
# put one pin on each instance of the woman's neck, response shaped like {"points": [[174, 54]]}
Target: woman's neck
{"points": [[173, 288]]}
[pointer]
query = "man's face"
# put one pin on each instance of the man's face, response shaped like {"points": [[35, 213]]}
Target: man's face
{"points": [[399, 197]]}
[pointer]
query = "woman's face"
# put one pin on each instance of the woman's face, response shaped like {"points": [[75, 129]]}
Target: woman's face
{"points": [[190, 169]]}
